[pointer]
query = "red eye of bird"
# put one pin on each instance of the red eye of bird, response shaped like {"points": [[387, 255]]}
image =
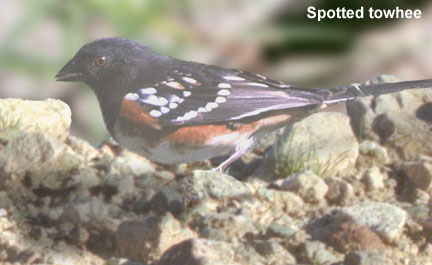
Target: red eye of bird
{"points": [[101, 61]]}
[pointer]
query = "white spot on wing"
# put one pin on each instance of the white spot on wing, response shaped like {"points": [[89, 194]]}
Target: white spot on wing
{"points": [[156, 101], [211, 105], [175, 85], [174, 98], [224, 92], [164, 110], [224, 85], [189, 80], [234, 78], [155, 113], [163, 101], [186, 93], [257, 84], [148, 91], [261, 76], [153, 100], [256, 112], [191, 114], [131, 96], [202, 109], [220, 100], [188, 115], [172, 105]]}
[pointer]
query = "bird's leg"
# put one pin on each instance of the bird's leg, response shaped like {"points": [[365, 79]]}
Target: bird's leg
{"points": [[229, 160], [241, 149]]}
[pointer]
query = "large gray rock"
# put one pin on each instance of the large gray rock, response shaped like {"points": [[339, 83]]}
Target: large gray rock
{"points": [[315, 252], [39, 155], [373, 179], [225, 226], [278, 203], [51, 116], [215, 185], [371, 154], [283, 227], [385, 219], [400, 120], [366, 258], [328, 135], [339, 191], [274, 253], [307, 185], [199, 252], [19, 249], [346, 236], [146, 240], [419, 172]]}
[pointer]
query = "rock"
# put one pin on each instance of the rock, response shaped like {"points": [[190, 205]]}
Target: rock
{"points": [[339, 192], [361, 117], [281, 202], [146, 240], [348, 236], [123, 184], [274, 253], [199, 252], [424, 257], [392, 118], [366, 258], [223, 226], [374, 179], [420, 196], [419, 173], [51, 117], [83, 148], [402, 144], [343, 233], [92, 210], [419, 213], [215, 185], [120, 261], [62, 253], [307, 185], [328, 135], [246, 254], [371, 154], [20, 249], [166, 199], [64, 201], [283, 227], [315, 252], [40, 156], [130, 164], [385, 219], [86, 178]]}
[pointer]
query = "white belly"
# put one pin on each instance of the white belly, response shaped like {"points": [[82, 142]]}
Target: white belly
{"points": [[166, 153]]}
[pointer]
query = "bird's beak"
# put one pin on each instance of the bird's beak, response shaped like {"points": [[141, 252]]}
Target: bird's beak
{"points": [[70, 73]]}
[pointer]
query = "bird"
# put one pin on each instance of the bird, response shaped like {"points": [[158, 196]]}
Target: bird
{"points": [[173, 111]]}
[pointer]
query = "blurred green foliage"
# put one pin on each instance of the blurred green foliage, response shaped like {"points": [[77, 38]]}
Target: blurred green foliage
{"points": [[302, 35], [139, 20], [126, 18]]}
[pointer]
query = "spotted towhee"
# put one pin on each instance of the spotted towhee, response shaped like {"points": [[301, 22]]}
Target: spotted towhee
{"points": [[174, 111]]}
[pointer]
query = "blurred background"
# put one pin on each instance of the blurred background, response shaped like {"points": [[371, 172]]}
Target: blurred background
{"points": [[270, 37]]}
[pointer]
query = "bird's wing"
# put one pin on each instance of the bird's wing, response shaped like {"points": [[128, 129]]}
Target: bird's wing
{"points": [[208, 94]]}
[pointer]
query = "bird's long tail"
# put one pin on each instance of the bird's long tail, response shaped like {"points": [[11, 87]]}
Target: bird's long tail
{"points": [[345, 93]]}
